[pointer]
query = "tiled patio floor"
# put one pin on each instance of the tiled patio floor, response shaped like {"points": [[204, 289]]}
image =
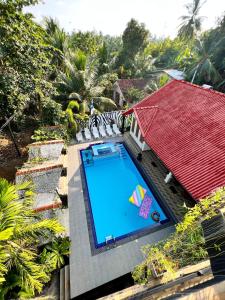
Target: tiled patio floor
{"points": [[88, 271]]}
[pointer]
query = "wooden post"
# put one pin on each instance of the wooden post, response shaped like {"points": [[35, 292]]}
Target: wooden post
{"points": [[123, 123], [96, 122], [14, 141]]}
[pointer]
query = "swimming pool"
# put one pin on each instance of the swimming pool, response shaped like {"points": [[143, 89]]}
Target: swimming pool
{"points": [[111, 178]]}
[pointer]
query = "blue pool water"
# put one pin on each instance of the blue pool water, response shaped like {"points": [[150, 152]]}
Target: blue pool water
{"points": [[111, 178]]}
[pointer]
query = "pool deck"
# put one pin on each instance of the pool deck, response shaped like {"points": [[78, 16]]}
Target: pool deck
{"points": [[88, 271]]}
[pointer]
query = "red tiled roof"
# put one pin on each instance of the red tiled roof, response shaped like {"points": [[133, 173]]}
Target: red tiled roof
{"points": [[126, 84], [184, 125]]}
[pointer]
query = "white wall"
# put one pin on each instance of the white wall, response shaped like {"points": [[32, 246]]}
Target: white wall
{"points": [[143, 146]]}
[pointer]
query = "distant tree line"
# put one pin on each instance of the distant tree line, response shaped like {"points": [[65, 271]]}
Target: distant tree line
{"points": [[43, 68]]}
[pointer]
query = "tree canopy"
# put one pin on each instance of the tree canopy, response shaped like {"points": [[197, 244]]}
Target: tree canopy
{"points": [[25, 60], [135, 39], [41, 65]]}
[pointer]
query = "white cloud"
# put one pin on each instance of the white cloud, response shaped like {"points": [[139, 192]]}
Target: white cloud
{"points": [[161, 17], [59, 2]]}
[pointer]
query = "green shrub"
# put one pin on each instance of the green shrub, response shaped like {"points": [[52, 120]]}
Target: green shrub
{"points": [[74, 106], [164, 79], [46, 134], [72, 125], [184, 247], [52, 113], [83, 108], [135, 95], [54, 253], [75, 115]]}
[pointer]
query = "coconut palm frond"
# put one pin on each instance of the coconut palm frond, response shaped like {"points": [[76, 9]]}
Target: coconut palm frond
{"points": [[96, 91], [20, 233], [191, 23], [75, 96], [104, 104], [40, 229], [50, 24], [79, 59], [203, 69], [31, 273], [53, 254]]}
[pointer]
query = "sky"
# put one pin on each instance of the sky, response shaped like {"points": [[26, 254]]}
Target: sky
{"points": [[161, 17]]}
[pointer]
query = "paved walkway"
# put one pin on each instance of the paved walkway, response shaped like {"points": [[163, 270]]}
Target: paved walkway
{"points": [[89, 271]]}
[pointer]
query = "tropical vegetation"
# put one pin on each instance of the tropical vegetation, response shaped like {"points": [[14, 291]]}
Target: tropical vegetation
{"points": [[184, 247], [49, 77], [25, 265], [43, 68]]}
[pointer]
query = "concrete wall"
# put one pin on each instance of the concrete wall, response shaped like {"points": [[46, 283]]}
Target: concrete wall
{"points": [[46, 150], [137, 138], [46, 201], [45, 179]]}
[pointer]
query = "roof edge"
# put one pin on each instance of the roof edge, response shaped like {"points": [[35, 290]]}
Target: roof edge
{"points": [[154, 108], [131, 110]]}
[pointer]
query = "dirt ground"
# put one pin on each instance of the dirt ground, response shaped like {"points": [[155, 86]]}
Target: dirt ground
{"points": [[9, 159]]}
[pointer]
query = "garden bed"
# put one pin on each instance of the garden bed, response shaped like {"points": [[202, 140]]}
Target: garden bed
{"points": [[9, 159]]}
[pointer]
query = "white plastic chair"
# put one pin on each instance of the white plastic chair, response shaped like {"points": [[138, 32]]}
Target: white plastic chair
{"points": [[109, 130], [79, 137], [116, 129], [87, 134], [102, 131], [95, 132]]}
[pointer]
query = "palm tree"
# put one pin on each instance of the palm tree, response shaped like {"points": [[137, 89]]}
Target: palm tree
{"points": [[79, 75], [58, 39], [81, 78], [51, 25], [21, 231], [203, 69], [76, 112], [191, 23]]}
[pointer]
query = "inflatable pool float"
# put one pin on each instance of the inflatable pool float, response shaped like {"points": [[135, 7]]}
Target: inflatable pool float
{"points": [[155, 216], [138, 195], [145, 207]]}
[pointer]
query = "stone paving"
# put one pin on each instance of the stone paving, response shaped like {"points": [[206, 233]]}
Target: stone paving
{"points": [[88, 271]]}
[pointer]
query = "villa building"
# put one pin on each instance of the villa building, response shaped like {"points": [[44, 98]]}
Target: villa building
{"points": [[183, 124], [122, 86]]}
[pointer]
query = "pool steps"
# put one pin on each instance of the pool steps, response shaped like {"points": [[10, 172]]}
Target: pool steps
{"points": [[89, 160]]}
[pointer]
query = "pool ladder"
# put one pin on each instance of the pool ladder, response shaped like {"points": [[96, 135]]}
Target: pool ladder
{"points": [[88, 158], [123, 153]]}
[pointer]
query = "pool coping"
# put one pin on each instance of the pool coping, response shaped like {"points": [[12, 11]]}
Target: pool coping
{"points": [[99, 248]]}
